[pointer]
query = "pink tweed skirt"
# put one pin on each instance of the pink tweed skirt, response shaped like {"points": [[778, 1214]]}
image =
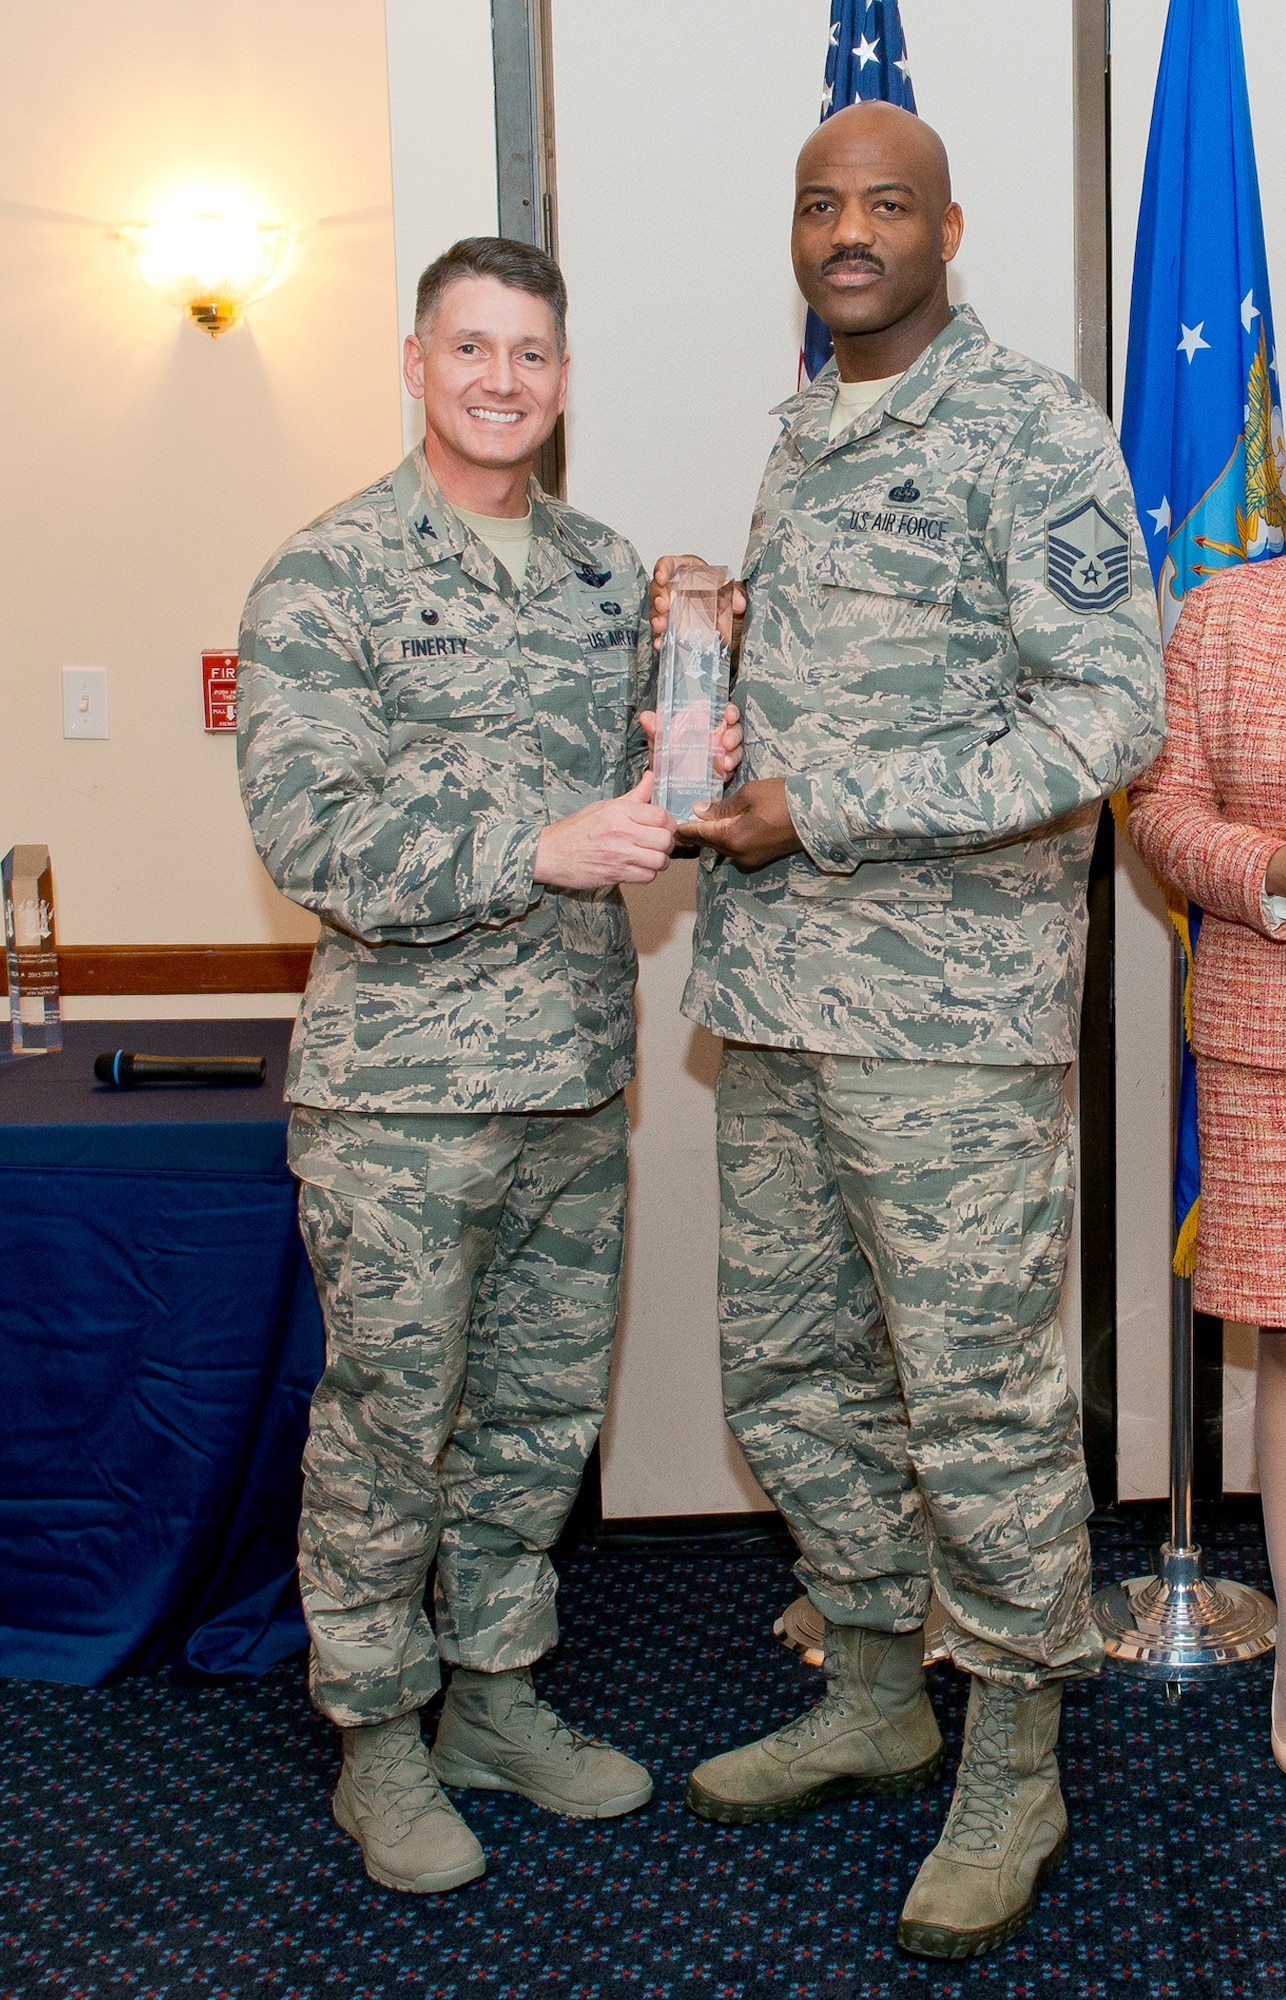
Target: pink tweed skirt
{"points": [[1241, 1234]]}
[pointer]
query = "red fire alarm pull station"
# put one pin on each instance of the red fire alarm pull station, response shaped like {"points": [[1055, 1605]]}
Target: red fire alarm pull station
{"points": [[219, 686]]}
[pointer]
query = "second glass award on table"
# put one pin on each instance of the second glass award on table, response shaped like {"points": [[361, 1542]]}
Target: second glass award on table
{"points": [[27, 889], [692, 693]]}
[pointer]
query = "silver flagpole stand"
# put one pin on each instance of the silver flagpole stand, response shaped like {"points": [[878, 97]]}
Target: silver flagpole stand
{"points": [[1178, 1626]]}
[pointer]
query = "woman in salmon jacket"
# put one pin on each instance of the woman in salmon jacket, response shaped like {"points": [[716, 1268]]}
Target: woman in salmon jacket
{"points": [[1210, 818]]}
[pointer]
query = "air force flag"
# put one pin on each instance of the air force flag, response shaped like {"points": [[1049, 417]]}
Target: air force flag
{"points": [[1202, 424]]}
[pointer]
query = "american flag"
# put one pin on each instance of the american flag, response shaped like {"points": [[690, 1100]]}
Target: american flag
{"points": [[866, 58]]}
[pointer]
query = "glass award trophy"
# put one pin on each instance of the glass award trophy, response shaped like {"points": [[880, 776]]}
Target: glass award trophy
{"points": [[35, 1021], [692, 694]]}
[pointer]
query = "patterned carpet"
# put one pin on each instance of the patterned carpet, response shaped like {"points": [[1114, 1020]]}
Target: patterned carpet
{"points": [[169, 1840]]}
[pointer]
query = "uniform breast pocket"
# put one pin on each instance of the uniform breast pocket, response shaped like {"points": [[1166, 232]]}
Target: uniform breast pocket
{"points": [[582, 692], [433, 680], [607, 643], [610, 682], [452, 705], [451, 747], [883, 627]]}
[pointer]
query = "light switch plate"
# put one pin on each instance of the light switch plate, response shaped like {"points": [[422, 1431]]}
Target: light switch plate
{"points": [[85, 702]]}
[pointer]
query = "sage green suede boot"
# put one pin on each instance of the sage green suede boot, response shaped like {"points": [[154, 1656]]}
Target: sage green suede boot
{"points": [[410, 1834], [497, 1736], [873, 1731], [1005, 1832]]}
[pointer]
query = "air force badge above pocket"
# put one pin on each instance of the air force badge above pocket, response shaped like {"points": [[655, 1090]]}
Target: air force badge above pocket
{"points": [[1087, 559]]}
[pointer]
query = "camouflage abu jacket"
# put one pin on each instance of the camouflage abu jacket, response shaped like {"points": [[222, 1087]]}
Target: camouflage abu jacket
{"points": [[951, 654], [408, 722]]}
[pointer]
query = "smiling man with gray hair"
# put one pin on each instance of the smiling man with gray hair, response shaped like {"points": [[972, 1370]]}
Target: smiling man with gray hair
{"points": [[444, 749]]}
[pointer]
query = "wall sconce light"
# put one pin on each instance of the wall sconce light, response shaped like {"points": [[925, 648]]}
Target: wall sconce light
{"points": [[213, 266]]}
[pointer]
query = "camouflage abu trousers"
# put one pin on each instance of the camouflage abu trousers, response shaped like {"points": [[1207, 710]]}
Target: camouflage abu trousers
{"points": [[468, 1269], [892, 1250]]}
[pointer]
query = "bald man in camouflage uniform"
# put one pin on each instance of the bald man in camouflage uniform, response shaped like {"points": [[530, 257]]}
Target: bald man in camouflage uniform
{"points": [[443, 705], [950, 657]]}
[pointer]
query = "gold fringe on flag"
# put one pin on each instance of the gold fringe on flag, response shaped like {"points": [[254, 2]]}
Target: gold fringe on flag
{"points": [[1120, 804], [1177, 905], [1185, 1250]]}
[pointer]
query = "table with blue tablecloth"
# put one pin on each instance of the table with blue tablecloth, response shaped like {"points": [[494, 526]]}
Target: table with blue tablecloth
{"points": [[160, 1340]]}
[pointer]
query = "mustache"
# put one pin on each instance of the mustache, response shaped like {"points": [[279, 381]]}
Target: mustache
{"points": [[844, 260]]}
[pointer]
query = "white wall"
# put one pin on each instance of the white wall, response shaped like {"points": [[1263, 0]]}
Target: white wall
{"points": [[674, 200], [995, 78], [674, 190], [1143, 950], [151, 471], [443, 130]]}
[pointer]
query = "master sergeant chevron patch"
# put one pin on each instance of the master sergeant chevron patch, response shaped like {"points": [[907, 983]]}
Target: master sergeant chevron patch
{"points": [[1087, 559]]}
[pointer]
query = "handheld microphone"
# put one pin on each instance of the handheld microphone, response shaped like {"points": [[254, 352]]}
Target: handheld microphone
{"points": [[126, 1070]]}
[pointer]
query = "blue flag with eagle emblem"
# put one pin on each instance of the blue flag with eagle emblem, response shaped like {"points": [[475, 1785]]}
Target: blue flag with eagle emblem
{"points": [[1201, 426], [866, 58]]}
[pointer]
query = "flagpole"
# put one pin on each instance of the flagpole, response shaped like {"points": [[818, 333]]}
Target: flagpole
{"points": [[1178, 1626], [1181, 1414], [1181, 1369]]}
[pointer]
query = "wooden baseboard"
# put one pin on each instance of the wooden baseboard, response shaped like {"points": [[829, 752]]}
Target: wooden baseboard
{"points": [[183, 968]]}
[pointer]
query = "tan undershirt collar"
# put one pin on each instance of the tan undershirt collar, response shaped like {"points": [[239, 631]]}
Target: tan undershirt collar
{"points": [[507, 536], [853, 399]]}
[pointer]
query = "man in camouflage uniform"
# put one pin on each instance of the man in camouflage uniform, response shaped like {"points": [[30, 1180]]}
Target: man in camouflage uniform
{"points": [[949, 658], [442, 701]]}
